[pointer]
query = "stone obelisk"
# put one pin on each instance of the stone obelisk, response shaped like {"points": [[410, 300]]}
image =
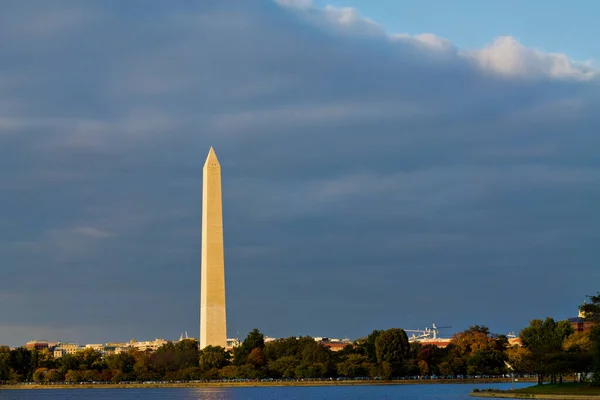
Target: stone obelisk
{"points": [[213, 329]]}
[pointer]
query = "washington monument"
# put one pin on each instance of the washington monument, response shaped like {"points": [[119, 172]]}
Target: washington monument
{"points": [[213, 329]]}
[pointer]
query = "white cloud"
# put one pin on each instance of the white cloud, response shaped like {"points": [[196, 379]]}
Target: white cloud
{"points": [[428, 40], [505, 56]]}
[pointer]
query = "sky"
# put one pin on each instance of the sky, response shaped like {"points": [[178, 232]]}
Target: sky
{"points": [[379, 170], [551, 26]]}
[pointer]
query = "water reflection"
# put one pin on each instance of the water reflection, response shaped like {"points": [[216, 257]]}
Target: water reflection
{"points": [[396, 392]]}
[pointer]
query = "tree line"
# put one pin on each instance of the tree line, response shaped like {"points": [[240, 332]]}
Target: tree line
{"points": [[550, 349]]}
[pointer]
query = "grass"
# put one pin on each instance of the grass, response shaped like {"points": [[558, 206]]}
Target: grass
{"points": [[565, 391], [570, 388]]}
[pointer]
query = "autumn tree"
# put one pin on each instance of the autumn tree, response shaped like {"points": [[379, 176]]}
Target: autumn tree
{"points": [[476, 351]]}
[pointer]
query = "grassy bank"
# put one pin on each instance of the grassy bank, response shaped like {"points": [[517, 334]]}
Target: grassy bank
{"points": [[249, 384], [566, 391]]}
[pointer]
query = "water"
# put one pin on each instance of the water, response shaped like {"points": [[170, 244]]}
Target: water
{"points": [[396, 392]]}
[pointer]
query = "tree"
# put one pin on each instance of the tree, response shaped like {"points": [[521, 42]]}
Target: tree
{"points": [[4, 363], [53, 375], [90, 359], [73, 376], [254, 340], [257, 357], [544, 340], [518, 357], [20, 361], [40, 374], [68, 362], [392, 347], [213, 357], [591, 312], [284, 367], [367, 345], [229, 372], [143, 368], [476, 351], [91, 375], [355, 365]]}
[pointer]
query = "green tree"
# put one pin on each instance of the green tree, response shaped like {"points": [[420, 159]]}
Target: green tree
{"points": [[229, 372], [53, 375], [591, 312], [354, 365], [68, 362], [90, 359], [366, 346], [40, 374], [392, 348], [284, 367], [544, 340], [4, 363], [213, 357], [21, 362], [74, 376], [254, 340]]}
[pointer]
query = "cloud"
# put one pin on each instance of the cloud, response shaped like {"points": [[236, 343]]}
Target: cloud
{"points": [[91, 232], [359, 166], [504, 56], [507, 56]]}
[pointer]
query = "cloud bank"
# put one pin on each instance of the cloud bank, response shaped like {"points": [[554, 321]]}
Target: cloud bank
{"points": [[371, 179]]}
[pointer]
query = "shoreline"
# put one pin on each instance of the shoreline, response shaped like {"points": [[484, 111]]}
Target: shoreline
{"points": [[518, 395], [247, 384]]}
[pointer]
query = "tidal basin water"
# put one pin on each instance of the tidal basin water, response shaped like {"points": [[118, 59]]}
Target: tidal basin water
{"points": [[396, 392]]}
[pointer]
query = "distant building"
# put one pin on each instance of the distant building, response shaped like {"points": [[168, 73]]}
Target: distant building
{"points": [[96, 347], [38, 345], [232, 343], [151, 345], [580, 323], [333, 344], [66, 348]]}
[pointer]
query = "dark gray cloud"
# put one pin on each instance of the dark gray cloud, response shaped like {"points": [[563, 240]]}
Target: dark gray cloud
{"points": [[370, 180]]}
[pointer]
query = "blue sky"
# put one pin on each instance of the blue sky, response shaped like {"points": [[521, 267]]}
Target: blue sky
{"points": [[378, 171], [552, 26]]}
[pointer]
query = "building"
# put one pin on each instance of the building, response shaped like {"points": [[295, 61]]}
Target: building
{"points": [[213, 321], [580, 323], [232, 343], [150, 345], [333, 344], [66, 348], [38, 345]]}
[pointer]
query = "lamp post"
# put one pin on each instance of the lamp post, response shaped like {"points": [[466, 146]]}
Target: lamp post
{"points": [[512, 375]]}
